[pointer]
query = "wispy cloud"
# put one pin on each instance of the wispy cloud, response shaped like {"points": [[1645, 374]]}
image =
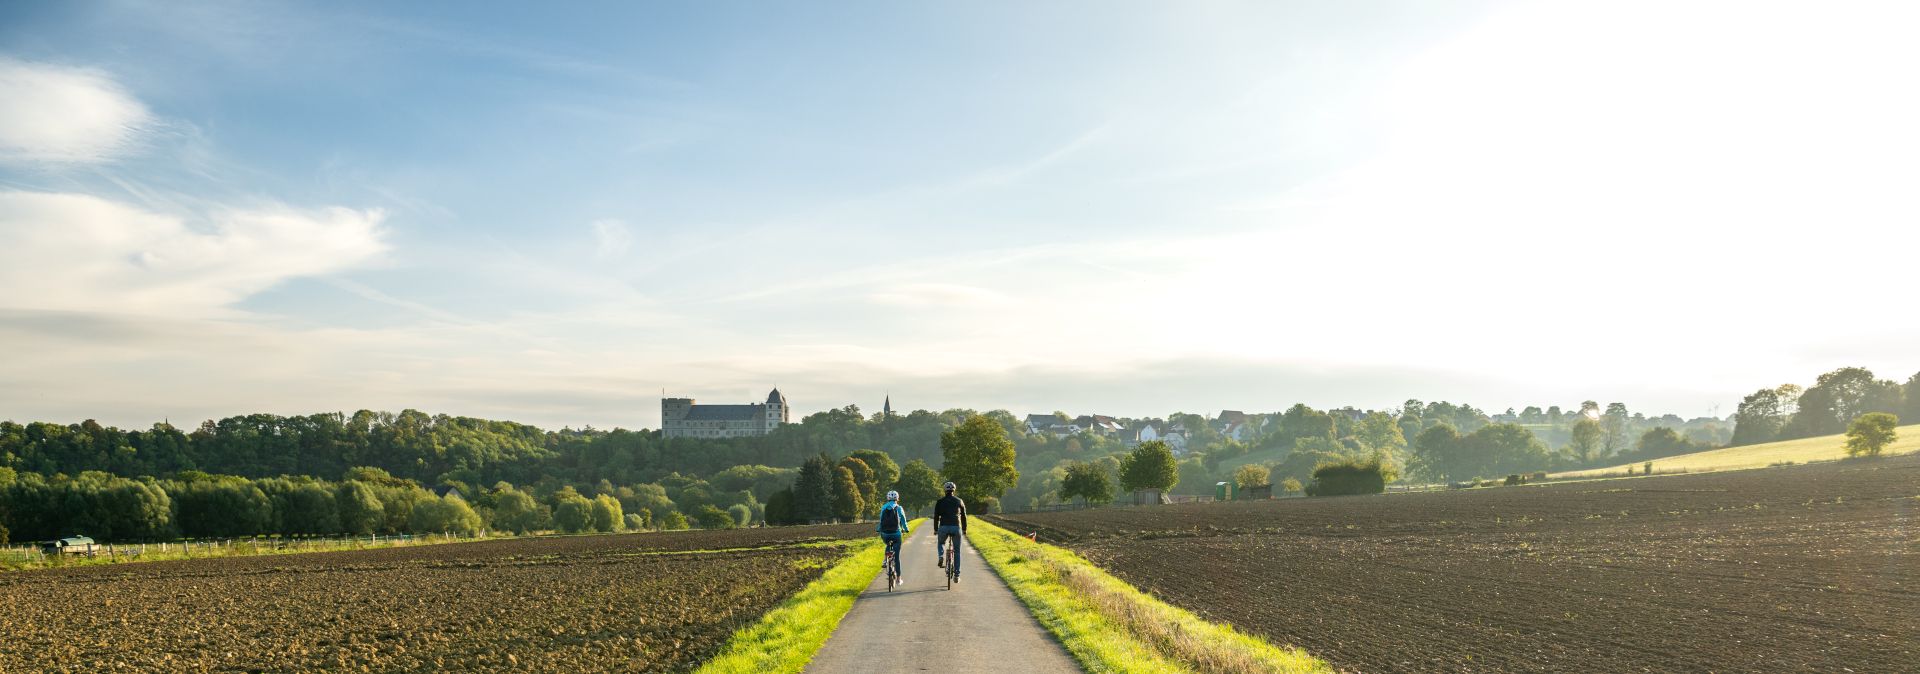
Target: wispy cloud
{"points": [[53, 115], [83, 253], [611, 239]]}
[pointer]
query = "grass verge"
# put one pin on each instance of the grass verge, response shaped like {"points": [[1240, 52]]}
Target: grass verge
{"points": [[788, 636], [1110, 626]]}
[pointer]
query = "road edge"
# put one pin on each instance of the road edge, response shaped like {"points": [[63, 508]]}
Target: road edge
{"points": [[1111, 626], [785, 639]]}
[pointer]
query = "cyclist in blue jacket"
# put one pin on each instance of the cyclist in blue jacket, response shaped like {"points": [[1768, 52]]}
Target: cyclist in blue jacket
{"points": [[893, 523]]}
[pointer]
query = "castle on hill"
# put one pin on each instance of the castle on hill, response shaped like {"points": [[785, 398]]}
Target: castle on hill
{"points": [[682, 418]]}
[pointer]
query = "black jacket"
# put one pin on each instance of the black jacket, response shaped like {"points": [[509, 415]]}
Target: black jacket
{"points": [[950, 511]]}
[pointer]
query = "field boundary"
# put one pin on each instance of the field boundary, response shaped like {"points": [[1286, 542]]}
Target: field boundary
{"points": [[786, 638], [1111, 626]]}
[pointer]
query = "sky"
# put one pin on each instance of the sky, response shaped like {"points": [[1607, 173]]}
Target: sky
{"points": [[1129, 208]]}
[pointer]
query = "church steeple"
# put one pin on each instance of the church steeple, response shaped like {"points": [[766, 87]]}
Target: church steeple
{"points": [[886, 408]]}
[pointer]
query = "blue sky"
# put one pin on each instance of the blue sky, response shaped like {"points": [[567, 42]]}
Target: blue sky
{"points": [[1131, 208]]}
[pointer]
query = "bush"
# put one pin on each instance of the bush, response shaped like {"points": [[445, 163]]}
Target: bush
{"points": [[607, 517], [711, 517], [1350, 476], [635, 522], [741, 514], [674, 521], [1252, 475], [1871, 433], [1292, 486], [1515, 481], [573, 514]]}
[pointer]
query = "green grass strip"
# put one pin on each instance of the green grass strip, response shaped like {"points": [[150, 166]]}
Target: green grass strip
{"points": [[788, 636], [1109, 626]]}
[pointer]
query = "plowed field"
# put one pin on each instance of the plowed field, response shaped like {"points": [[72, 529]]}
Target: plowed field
{"points": [[633, 603], [1794, 569]]}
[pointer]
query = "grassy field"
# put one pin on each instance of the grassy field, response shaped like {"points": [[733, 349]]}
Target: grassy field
{"points": [[1825, 448]]}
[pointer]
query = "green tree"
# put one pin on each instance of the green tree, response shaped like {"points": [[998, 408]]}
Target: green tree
{"points": [[1086, 481], [919, 485], [1586, 446], [606, 513], [516, 511], [813, 490], [1149, 466], [741, 514], [636, 522], [1871, 433], [846, 495], [1379, 432], [449, 514], [779, 508], [867, 482], [1759, 418], [885, 472], [979, 458], [674, 521], [1252, 475], [1614, 422], [360, 509], [1839, 397], [572, 513], [1290, 485], [711, 517]]}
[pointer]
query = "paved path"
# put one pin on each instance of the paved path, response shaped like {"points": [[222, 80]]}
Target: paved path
{"points": [[979, 626]]}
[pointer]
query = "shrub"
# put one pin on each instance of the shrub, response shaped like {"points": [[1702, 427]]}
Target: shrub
{"points": [[573, 514], [635, 522], [606, 513], [1292, 486], [990, 504], [1871, 433], [741, 514], [674, 521], [711, 517], [1350, 476], [1252, 475], [1515, 481]]}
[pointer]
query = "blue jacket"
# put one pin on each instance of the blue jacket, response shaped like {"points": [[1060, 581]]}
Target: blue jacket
{"points": [[901, 513]]}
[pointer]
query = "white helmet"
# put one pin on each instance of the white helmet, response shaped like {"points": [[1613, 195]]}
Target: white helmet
{"points": [[893, 496], [949, 486]]}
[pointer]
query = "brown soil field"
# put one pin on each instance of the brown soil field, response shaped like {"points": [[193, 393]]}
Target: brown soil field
{"points": [[626, 603], [1811, 568]]}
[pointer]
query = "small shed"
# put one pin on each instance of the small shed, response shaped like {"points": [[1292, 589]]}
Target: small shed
{"points": [[1261, 492], [1148, 497], [71, 545]]}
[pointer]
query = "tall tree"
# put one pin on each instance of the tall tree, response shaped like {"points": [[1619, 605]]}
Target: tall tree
{"points": [[1837, 398], [1378, 432], [813, 490], [1759, 418], [979, 458], [1086, 481], [1587, 441], [1911, 413], [919, 485], [847, 504], [885, 471], [1149, 466], [1614, 422], [867, 483]]}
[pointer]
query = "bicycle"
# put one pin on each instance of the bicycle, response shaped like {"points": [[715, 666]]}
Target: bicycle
{"points": [[892, 565], [953, 561]]}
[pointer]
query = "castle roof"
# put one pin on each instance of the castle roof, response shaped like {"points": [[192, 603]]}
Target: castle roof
{"points": [[776, 398]]}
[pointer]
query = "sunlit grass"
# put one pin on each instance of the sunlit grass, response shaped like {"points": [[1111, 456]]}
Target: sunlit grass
{"points": [[1824, 448], [1109, 626], [789, 635]]}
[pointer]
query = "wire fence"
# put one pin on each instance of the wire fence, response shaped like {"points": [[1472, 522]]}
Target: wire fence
{"points": [[36, 554]]}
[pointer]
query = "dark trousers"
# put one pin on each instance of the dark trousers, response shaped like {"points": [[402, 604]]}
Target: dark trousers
{"points": [[940, 544]]}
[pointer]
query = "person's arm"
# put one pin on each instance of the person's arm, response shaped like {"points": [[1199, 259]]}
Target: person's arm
{"points": [[963, 517]]}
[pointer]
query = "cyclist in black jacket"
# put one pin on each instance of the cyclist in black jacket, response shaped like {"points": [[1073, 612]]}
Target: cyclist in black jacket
{"points": [[949, 520]]}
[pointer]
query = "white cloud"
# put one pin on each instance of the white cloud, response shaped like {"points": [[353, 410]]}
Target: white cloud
{"points": [[75, 252], [611, 239], [938, 295], [59, 115]]}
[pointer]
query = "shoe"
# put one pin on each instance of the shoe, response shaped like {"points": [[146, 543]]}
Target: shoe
{"points": [[941, 562]]}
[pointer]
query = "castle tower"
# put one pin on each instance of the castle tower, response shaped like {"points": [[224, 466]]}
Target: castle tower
{"points": [[777, 410], [674, 409]]}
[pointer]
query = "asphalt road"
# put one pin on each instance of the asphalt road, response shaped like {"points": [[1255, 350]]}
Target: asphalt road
{"points": [[979, 626]]}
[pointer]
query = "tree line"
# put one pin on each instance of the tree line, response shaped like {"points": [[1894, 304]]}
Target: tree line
{"points": [[1835, 400]]}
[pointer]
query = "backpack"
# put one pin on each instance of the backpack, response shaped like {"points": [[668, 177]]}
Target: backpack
{"points": [[890, 519]]}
